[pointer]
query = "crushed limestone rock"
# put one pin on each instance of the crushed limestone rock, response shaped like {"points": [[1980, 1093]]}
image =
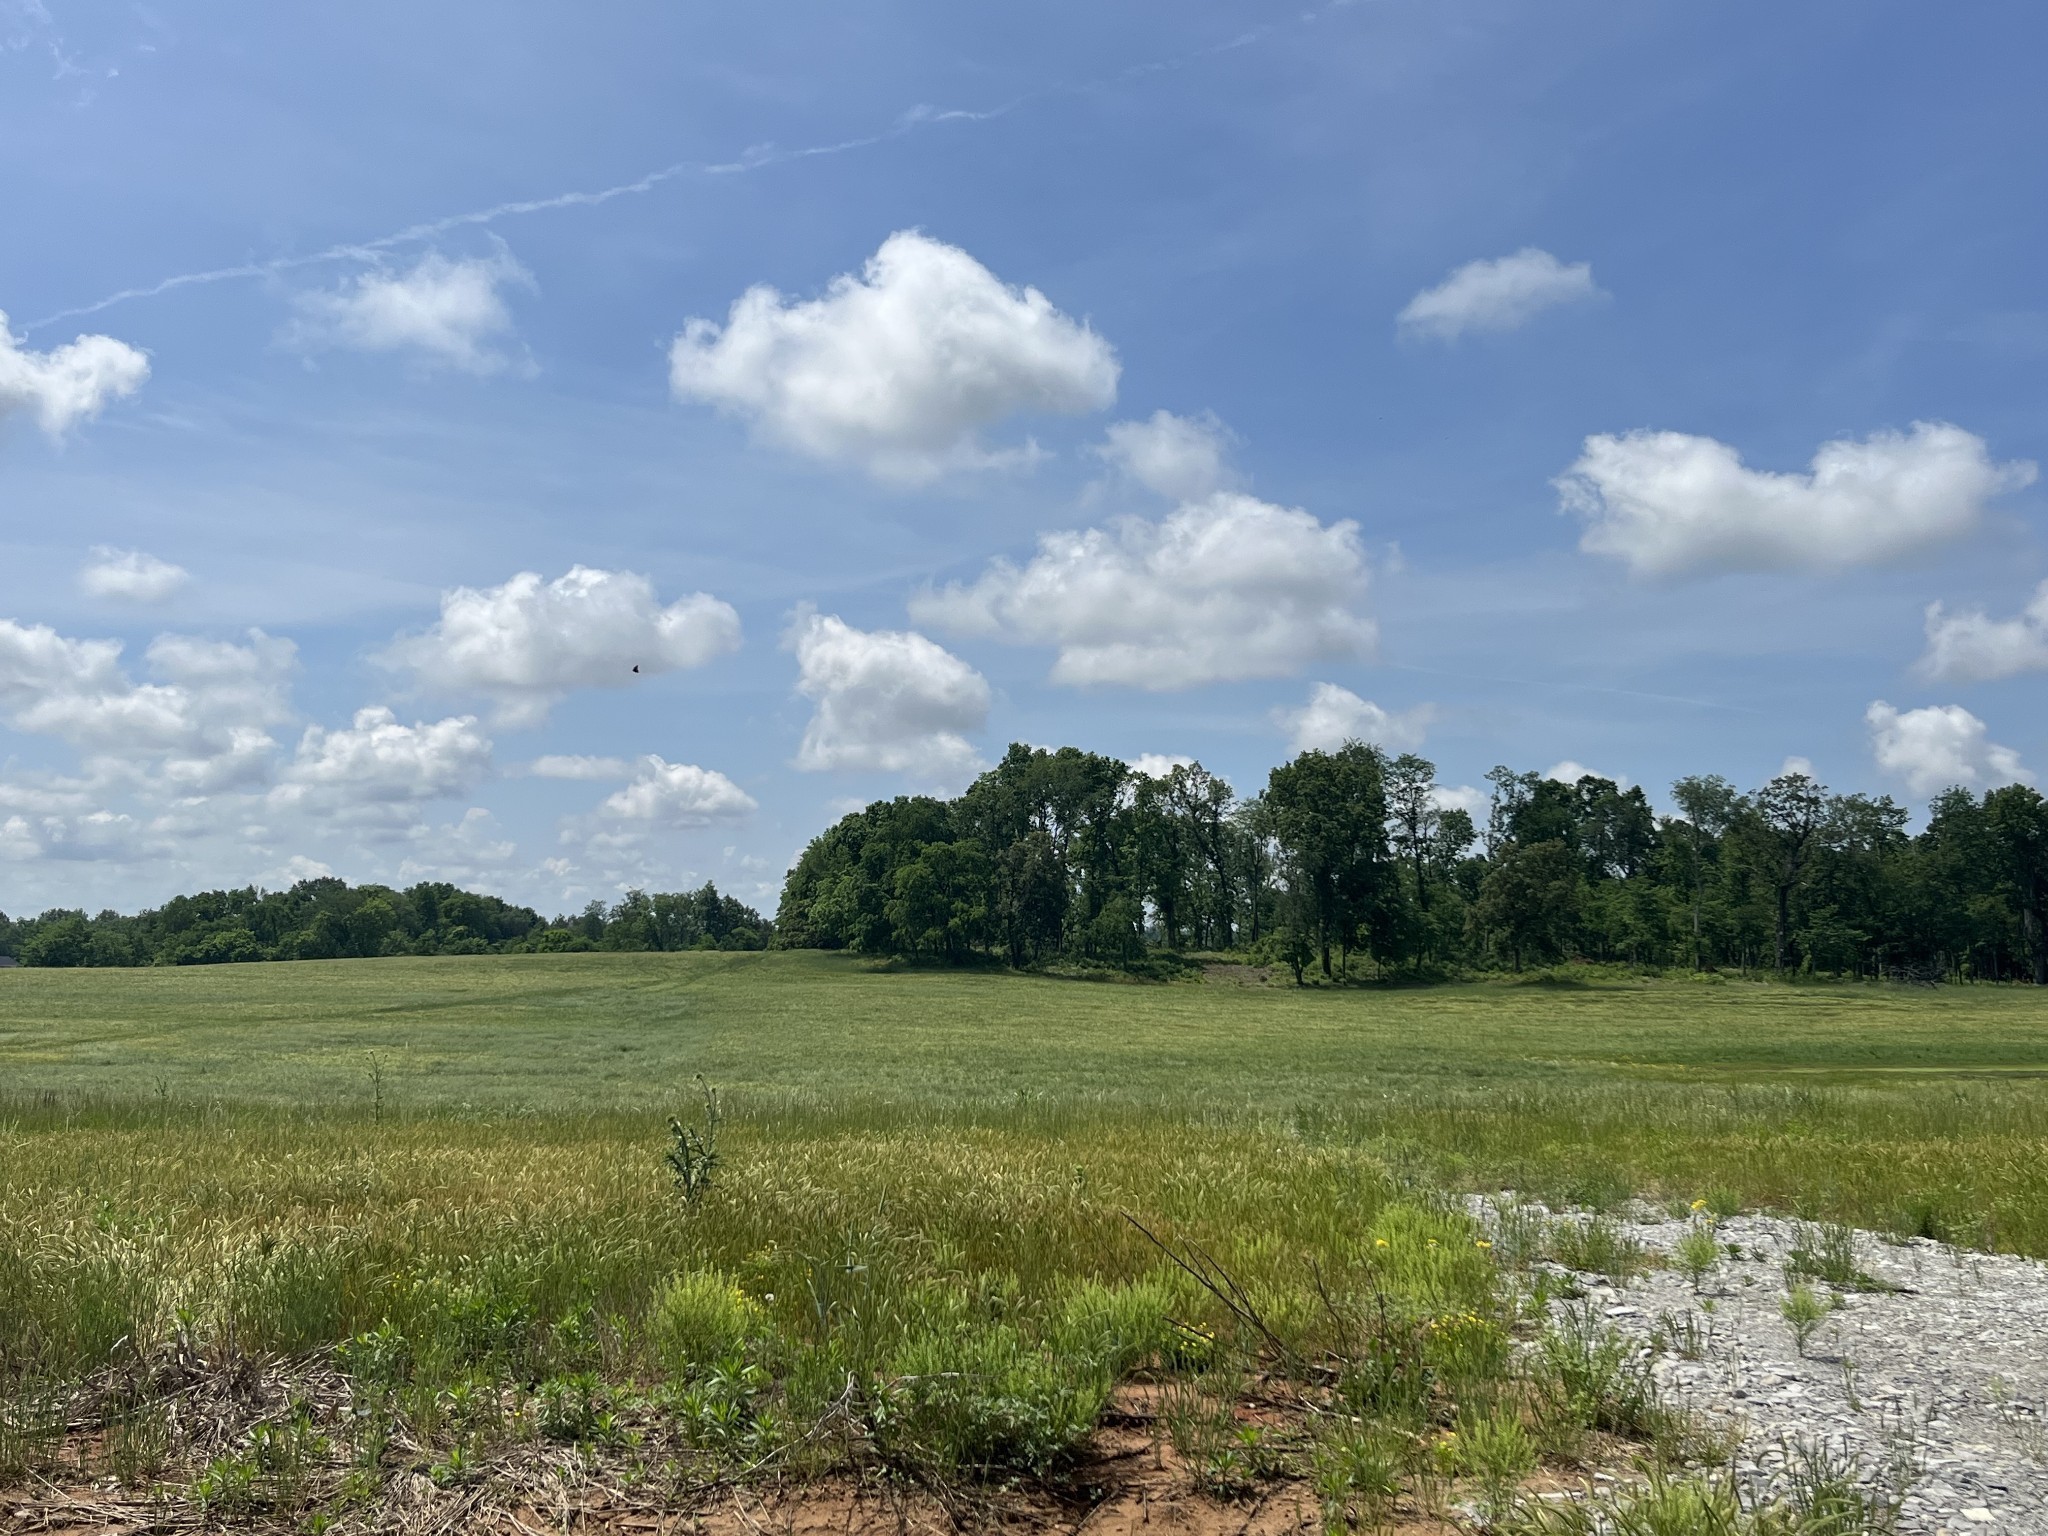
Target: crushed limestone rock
{"points": [[1935, 1363]]}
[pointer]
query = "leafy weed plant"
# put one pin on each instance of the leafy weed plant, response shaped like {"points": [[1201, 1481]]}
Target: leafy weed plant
{"points": [[1804, 1311], [1698, 1251]]}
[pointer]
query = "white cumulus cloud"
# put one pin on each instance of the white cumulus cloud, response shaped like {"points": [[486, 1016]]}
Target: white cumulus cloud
{"points": [[1333, 716], [1502, 294], [1570, 772], [1940, 747], [203, 722], [18, 840], [67, 384], [526, 644], [665, 794], [1973, 647], [1459, 797], [447, 312], [472, 852], [1671, 504], [129, 575], [378, 769], [1181, 457], [898, 369], [885, 700], [105, 835], [1158, 765], [1222, 589]]}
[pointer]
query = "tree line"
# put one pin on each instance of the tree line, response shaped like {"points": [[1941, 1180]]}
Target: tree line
{"points": [[1351, 862], [329, 919]]}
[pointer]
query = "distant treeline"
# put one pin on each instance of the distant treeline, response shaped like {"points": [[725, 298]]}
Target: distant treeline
{"points": [[1070, 857], [330, 919]]}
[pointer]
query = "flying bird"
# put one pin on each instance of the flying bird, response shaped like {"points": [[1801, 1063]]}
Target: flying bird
{"points": [[636, 668]]}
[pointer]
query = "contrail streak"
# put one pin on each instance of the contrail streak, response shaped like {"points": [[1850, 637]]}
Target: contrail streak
{"points": [[913, 121]]}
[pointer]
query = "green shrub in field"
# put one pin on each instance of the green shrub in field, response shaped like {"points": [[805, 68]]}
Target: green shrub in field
{"points": [[1386, 1373], [1121, 1327], [1356, 1467], [271, 1470], [700, 1320], [576, 1410], [1588, 1377], [977, 1399], [1497, 1453], [1438, 1257], [1468, 1353], [485, 1311], [722, 1410]]}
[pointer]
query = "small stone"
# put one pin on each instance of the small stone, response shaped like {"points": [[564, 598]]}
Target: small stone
{"points": [[1980, 1514]]}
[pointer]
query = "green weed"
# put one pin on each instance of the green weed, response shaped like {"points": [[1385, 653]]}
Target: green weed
{"points": [[1497, 1452], [1827, 1251], [979, 1400], [1355, 1465], [1598, 1246], [1804, 1311], [700, 1320]]}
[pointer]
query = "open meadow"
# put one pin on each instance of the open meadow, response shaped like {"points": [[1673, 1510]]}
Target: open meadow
{"points": [[342, 1245]]}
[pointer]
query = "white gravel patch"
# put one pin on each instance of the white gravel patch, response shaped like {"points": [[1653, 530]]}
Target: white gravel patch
{"points": [[1951, 1367]]}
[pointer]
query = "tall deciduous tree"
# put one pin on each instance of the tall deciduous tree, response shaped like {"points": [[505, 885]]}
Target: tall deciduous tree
{"points": [[2018, 820], [1329, 814], [1706, 803], [1530, 901], [1790, 814]]}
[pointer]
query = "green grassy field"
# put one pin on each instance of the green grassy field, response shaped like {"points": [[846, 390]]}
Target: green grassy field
{"points": [[604, 1031], [1909, 1108], [440, 1183]]}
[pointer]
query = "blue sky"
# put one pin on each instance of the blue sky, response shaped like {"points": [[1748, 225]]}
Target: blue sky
{"points": [[1722, 360]]}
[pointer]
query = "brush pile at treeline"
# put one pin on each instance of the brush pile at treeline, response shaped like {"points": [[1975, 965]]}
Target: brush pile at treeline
{"points": [[1348, 863]]}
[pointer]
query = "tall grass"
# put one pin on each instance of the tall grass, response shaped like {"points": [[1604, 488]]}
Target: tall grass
{"points": [[281, 1233], [948, 1294]]}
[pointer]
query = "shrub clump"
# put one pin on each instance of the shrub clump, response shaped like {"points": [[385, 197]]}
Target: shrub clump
{"points": [[976, 1399], [699, 1320]]}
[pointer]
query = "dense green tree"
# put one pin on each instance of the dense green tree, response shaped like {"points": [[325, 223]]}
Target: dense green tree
{"points": [[1783, 823], [1329, 823], [2017, 820], [1529, 903], [1706, 807]]}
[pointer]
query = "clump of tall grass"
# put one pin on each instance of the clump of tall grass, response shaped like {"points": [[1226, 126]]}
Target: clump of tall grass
{"points": [[1819, 1490], [1598, 1245]]}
